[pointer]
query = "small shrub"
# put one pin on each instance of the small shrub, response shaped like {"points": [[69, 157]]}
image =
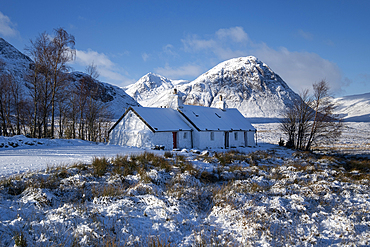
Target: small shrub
{"points": [[63, 173], [157, 242], [281, 142], [50, 181], [162, 163], [168, 154], [229, 157], [123, 165], [20, 240], [362, 165], [15, 186], [289, 144], [80, 166], [224, 158], [180, 158], [107, 191], [145, 158], [144, 176], [207, 177], [100, 166]]}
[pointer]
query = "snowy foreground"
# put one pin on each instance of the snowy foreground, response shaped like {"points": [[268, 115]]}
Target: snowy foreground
{"points": [[263, 196]]}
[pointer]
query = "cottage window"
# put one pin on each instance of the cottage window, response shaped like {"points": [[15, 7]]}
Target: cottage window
{"points": [[212, 136], [185, 135], [236, 136]]}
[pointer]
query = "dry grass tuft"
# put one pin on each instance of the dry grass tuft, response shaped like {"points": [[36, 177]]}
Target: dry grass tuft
{"points": [[100, 166]]}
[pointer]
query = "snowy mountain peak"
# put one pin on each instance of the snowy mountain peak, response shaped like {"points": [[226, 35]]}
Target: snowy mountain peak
{"points": [[152, 81], [248, 70], [149, 86], [246, 83]]}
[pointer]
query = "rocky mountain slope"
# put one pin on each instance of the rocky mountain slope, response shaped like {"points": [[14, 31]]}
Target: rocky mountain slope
{"points": [[245, 83], [116, 99], [17, 64]]}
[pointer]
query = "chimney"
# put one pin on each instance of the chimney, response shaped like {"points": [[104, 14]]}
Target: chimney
{"points": [[175, 101], [220, 104]]}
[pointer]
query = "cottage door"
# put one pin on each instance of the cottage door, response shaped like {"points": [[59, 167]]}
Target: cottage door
{"points": [[246, 138], [174, 136], [226, 139]]}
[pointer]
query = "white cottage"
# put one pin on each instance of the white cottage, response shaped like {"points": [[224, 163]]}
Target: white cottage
{"points": [[183, 126], [218, 128], [150, 127]]}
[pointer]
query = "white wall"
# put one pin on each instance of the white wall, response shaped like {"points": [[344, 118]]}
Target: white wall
{"points": [[239, 142], [184, 141], [250, 138], [131, 131], [202, 140], [163, 139]]}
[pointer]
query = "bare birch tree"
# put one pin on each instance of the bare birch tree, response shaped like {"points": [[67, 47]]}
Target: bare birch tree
{"points": [[62, 52], [325, 126], [311, 119]]}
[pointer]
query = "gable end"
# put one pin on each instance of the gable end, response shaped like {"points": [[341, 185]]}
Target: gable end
{"points": [[126, 112]]}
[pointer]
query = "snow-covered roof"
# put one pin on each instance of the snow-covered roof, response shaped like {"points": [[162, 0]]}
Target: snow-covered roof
{"points": [[161, 119], [207, 118]]}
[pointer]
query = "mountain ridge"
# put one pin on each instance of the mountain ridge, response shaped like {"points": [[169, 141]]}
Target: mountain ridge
{"points": [[18, 64], [244, 83]]}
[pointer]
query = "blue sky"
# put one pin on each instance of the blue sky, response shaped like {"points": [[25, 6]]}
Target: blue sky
{"points": [[303, 41]]}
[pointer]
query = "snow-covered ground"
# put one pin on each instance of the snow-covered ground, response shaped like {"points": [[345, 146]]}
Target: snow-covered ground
{"points": [[19, 154], [266, 196], [355, 137]]}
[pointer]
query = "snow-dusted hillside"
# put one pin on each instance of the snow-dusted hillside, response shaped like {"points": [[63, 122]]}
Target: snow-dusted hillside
{"points": [[245, 83], [116, 99], [153, 90], [354, 108], [17, 64]]}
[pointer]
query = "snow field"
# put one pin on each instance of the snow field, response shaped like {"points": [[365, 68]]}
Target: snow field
{"points": [[263, 196], [354, 139], [266, 198]]}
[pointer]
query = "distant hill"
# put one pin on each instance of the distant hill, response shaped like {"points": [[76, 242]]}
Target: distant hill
{"points": [[354, 108], [153, 89], [245, 83], [17, 64]]}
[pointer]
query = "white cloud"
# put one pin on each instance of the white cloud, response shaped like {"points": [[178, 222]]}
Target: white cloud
{"points": [[145, 56], [221, 44], [300, 69], [169, 50], [106, 68], [193, 43], [177, 73], [305, 35], [7, 28], [236, 34]]}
